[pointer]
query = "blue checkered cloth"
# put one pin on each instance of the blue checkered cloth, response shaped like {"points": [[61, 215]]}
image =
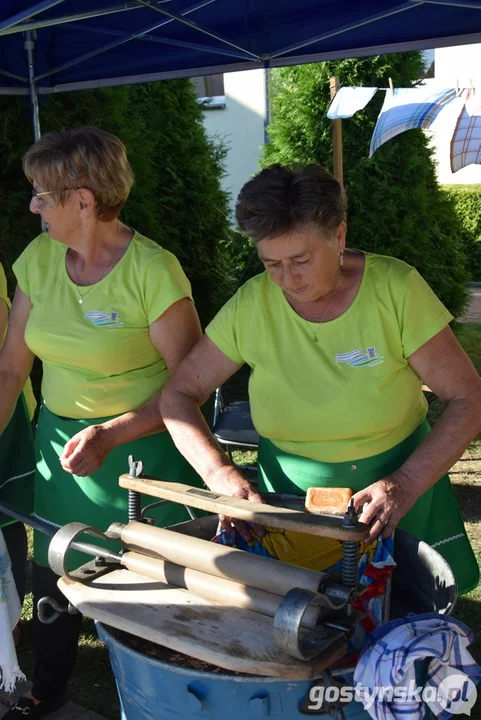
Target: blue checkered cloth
{"points": [[390, 657], [466, 140], [406, 109]]}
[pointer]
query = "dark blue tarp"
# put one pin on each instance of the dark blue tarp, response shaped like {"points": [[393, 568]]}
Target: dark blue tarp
{"points": [[88, 43]]}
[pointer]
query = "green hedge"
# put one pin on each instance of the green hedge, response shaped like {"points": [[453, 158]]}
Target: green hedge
{"points": [[466, 200]]}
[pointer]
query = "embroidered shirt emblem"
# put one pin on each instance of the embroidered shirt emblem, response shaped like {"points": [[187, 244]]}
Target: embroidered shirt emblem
{"points": [[104, 319], [359, 358]]}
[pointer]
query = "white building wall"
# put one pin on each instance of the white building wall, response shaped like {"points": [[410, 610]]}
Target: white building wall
{"points": [[241, 125], [241, 122]]}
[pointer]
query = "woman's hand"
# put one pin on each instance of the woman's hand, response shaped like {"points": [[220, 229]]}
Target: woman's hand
{"points": [[86, 451], [385, 504], [229, 481]]}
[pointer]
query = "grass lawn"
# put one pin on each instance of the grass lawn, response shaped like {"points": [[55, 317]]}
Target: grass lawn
{"points": [[92, 685]]}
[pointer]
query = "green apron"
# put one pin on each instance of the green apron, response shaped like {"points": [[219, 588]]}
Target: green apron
{"points": [[17, 462], [97, 499], [435, 517]]}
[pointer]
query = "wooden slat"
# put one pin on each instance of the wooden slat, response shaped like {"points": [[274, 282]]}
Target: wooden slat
{"points": [[263, 514], [237, 640], [337, 163]]}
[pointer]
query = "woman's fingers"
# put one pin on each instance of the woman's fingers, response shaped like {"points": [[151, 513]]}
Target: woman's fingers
{"points": [[225, 523], [361, 498], [371, 510], [242, 529], [389, 528], [255, 497], [70, 446], [375, 530], [378, 511], [244, 491]]}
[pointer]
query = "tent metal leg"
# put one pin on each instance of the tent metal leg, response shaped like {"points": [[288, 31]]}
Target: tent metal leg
{"points": [[29, 47]]}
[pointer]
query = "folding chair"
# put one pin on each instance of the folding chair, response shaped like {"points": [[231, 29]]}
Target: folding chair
{"points": [[232, 426]]}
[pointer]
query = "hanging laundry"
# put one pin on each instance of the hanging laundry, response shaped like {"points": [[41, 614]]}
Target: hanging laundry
{"points": [[406, 109], [349, 100], [466, 140]]}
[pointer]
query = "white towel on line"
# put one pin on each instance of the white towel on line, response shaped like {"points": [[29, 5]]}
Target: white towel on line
{"points": [[349, 100]]}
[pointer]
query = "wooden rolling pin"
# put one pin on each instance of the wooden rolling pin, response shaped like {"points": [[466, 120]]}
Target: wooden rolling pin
{"points": [[211, 558], [261, 513], [211, 588]]}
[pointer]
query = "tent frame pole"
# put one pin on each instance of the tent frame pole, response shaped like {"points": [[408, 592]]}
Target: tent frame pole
{"points": [[29, 47]]}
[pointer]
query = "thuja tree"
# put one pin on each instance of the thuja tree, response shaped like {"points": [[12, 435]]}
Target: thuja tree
{"points": [[396, 206]]}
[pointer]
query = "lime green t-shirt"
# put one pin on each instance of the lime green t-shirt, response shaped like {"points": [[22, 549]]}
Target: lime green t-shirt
{"points": [[352, 394], [27, 389], [98, 359]]}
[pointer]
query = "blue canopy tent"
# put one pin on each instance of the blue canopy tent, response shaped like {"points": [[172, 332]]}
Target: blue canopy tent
{"points": [[58, 45]]}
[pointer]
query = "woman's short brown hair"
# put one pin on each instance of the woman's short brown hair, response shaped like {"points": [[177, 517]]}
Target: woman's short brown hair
{"points": [[281, 199], [85, 157]]}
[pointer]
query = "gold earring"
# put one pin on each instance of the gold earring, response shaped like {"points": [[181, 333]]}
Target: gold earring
{"points": [[341, 258]]}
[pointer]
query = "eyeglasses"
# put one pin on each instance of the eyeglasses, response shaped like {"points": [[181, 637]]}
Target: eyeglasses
{"points": [[42, 199]]}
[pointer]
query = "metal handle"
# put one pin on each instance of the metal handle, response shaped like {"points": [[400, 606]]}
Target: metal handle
{"points": [[47, 618], [189, 510], [65, 539], [287, 625]]}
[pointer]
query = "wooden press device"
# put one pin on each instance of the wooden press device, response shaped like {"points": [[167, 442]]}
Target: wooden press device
{"points": [[221, 605]]}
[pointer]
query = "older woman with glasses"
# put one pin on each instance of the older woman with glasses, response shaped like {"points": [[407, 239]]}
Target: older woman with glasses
{"points": [[110, 315]]}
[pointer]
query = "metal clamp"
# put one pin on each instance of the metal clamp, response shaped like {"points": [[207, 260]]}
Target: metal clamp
{"points": [[287, 631], [135, 498], [151, 521], [65, 540], [47, 618], [350, 550], [135, 468]]}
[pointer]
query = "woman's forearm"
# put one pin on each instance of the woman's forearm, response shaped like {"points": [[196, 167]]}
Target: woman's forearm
{"points": [[193, 438], [442, 448], [141, 422]]}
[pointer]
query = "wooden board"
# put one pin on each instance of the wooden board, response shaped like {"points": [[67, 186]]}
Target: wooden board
{"points": [[262, 513], [238, 640]]}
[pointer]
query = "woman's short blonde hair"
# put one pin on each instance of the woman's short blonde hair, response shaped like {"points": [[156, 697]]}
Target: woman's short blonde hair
{"points": [[85, 157]]}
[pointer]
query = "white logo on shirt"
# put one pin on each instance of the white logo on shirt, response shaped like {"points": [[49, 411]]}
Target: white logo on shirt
{"points": [[359, 358], [104, 319]]}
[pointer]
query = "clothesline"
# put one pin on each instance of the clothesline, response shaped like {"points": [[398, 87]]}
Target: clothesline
{"points": [[409, 108]]}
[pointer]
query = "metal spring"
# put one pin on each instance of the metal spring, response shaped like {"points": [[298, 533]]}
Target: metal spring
{"points": [[135, 505], [349, 564]]}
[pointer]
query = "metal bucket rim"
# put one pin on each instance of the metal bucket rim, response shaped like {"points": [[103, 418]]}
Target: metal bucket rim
{"points": [[191, 673]]}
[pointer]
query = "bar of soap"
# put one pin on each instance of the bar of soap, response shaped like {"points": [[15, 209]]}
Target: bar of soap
{"points": [[328, 501]]}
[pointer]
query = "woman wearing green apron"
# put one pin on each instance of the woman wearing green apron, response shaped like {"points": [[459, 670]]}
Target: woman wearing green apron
{"points": [[339, 343], [17, 463], [110, 314]]}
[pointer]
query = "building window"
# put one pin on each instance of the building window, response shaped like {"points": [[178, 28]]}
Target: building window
{"points": [[210, 91]]}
